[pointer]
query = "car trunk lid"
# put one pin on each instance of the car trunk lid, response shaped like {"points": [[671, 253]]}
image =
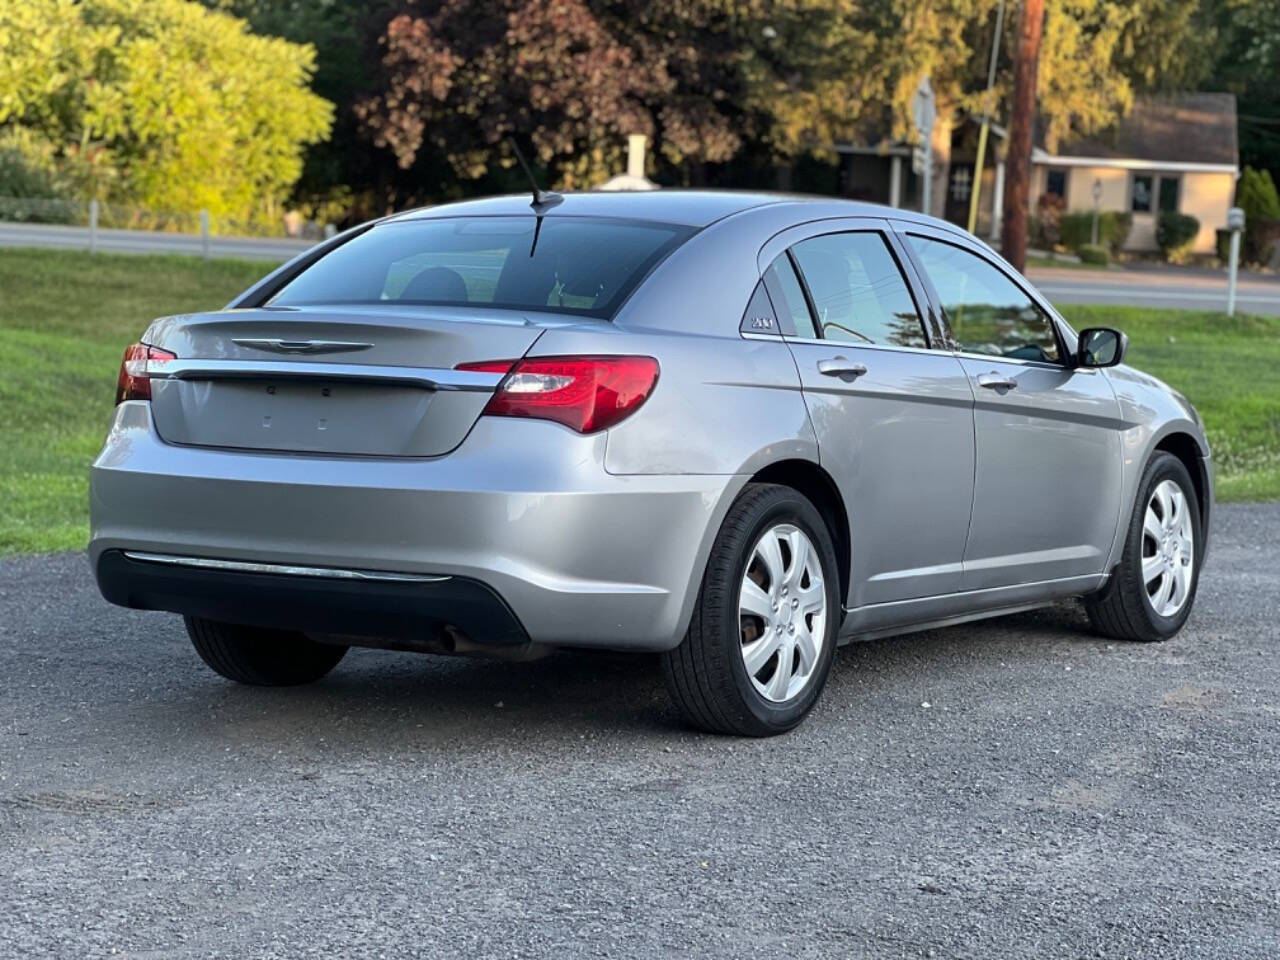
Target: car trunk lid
{"points": [[358, 381]]}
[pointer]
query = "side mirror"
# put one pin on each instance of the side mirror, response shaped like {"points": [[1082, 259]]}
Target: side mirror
{"points": [[1101, 347]]}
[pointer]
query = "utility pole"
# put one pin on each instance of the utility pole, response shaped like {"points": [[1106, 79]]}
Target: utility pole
{"points": [[986, 122], [1017, 191]]}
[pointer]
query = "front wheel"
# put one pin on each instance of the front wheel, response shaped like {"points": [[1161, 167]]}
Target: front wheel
{"points": [[261, 657], [763, 633], [1151, 590]]}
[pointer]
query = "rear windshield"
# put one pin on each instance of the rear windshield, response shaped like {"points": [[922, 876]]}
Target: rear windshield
{"points": [[585, 266]]}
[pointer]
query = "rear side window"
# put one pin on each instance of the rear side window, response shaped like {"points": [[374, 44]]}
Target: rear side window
{"points": [[788, 299], [858, 291], [569, 265], [988, 312]]}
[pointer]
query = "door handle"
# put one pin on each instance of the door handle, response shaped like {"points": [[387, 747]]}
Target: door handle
{"points": [[996, 381], [842, 367]]}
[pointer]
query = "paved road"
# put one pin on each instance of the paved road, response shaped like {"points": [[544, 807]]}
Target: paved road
{"points": [[1014, 789], [1158, 287], [148, 241]]}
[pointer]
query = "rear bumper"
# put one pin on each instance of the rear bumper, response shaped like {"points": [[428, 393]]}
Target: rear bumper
{"points": [[440, 614], [522, 509]]}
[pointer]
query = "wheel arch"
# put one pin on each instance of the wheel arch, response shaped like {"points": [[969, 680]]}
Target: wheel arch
{"points": [[820, 488], [1182, 442], [1187, 449]]}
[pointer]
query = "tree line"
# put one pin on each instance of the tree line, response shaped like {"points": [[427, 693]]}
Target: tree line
{"points": [[348, 108]]}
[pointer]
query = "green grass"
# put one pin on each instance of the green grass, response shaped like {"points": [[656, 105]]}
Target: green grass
{"points": [[1228, 367], [65, 318]]}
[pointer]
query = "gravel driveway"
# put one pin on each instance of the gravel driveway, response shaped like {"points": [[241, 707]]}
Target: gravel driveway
{"points": [[1010, 789]]}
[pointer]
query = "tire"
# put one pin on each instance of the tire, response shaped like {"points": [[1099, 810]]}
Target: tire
{"points": [[1125, 609], [260, 657], [707, 674]]}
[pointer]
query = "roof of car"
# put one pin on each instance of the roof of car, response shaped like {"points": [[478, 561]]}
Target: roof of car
{"points": [[695, 208]]}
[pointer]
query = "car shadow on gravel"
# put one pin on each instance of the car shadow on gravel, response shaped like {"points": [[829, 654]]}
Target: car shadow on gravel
{"points": [[375, 698]]}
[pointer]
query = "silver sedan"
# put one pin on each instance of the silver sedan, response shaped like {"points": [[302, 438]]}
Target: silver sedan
{"points": [[734, 429]]}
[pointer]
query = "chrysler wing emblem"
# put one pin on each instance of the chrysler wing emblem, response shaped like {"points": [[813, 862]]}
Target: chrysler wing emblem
{"points": [[299, 346]]}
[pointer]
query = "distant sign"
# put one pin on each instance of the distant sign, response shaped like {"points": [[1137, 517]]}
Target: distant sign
{"points": [[924, 109]]}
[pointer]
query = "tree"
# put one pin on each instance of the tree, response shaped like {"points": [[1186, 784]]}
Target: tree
{"points": [[1256, 196], [1247, 64], [338, 173], [464, 76], [183, 106]]}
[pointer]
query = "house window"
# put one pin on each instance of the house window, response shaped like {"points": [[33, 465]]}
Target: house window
{"points": [[1149, 192], [1055, 183]]}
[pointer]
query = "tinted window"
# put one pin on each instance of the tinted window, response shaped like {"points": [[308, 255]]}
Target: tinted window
{"points": [[858, 291], [788, 299], [987, 311], [577, 265]]}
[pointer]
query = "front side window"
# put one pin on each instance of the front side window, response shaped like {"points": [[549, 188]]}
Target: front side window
{"points": [[988, 312], [568, 265], [1167, 197], [858, 292]]}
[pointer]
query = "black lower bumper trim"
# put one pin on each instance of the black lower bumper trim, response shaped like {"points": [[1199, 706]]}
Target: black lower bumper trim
{"points": [[405, 613]]}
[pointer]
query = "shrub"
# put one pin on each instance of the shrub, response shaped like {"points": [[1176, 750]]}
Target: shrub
{"points": [[1256, 195], [1076, 229], [1222, 243], [1093, 253], [1049, 210], [1175, 233], [1115, 228], [1035, 234], [32, 187], [183, 108]]}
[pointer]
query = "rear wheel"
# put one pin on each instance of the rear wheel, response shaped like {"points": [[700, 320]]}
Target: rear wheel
{"points": [[1150, 592], [763, 633], [261, 657]]}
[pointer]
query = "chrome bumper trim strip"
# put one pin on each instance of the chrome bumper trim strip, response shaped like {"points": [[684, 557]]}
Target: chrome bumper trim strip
{"points": [[290, 570]]}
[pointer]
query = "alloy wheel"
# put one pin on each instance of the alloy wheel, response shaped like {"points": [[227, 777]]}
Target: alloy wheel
{"points": [[1168, 548], [782, 612]]}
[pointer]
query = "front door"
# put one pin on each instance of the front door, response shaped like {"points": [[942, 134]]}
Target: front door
{"points": [[894, 419], [1047, 487]]}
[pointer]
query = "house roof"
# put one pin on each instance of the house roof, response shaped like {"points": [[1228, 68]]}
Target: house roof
{"points": [[1196, 128], [1190, 131]]}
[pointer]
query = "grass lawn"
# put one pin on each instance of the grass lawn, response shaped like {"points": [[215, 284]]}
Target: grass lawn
{"points": [[65, 318]]}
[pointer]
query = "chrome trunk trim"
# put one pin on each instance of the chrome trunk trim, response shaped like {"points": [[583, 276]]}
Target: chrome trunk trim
{"points": [[430, 378]]}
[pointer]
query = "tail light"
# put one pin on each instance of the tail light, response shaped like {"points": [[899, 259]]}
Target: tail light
{"points": [[133, 382], [585, 394]]}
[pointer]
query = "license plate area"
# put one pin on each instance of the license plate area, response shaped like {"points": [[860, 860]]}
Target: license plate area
{"points": [[314, 416]]}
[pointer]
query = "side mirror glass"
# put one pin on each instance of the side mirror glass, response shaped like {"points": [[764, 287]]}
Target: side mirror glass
{"points": [[1101, 347]]}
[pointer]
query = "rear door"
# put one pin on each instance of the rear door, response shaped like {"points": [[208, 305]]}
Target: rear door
{"points": [[893, 416], [1047, 487]]}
